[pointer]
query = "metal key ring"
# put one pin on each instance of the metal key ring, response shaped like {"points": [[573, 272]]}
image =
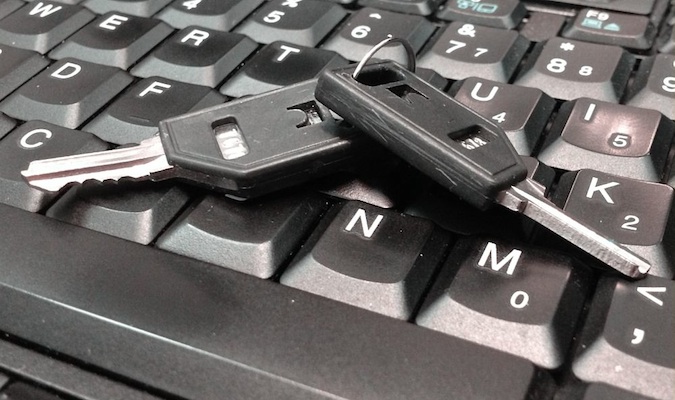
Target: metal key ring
{"points": [[412, 62]]}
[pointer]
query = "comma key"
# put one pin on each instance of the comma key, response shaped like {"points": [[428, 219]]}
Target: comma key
{"points": [[627, 341], [636, 214]]}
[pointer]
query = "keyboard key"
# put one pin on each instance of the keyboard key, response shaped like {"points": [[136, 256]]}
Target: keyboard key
{"points": [[303, 22], [368, 257], [627, 6], [136, 212], [134, 116], [213, 231], [542, 26], [280, 64], [9, 6], [140, 8], [613, 138], [465, 50], [635, 214], [627, 341], [505, 14], [6, 125], [220, 15], [221, 331], [654, 85], [114, 39], [523, 120], [41, 25], [529, 310], [17, 66], [24, 391], [36, 140], [419, 7], [632, 31], [369, 26], [67, 93], [569, 69], [198, 56]]}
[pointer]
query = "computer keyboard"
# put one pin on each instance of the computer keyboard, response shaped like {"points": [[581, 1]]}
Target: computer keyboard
{"points": [[371, 283]]}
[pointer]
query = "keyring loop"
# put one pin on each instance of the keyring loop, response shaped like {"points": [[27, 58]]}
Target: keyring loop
{"points": [[412, 62]]}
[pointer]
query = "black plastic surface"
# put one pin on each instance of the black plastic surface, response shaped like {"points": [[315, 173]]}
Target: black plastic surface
{"points": [[438, 135]]}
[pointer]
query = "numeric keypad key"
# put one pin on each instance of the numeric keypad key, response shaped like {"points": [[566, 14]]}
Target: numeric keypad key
{"points": [[569, 69]]}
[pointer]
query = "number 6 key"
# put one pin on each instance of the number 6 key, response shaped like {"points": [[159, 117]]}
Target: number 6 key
{"points": [[244, 148]]}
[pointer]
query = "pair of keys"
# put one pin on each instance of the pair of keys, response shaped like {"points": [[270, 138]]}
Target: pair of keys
{"points": [[238, 151]]}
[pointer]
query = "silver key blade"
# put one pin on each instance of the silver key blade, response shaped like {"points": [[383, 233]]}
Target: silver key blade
{"points": [[525, 199], [132, 162]]}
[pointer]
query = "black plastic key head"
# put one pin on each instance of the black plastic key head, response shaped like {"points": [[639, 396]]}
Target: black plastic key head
{"points": [[255, 145], [435, 133]]}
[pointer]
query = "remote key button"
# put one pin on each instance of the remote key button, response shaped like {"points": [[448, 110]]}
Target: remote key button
{"points": [[135, 115], [465, 50], [419, 7], [625, 30], [303, 22], [212, 231], [369, 26], [280, 64], [67, 93], [41, 25], [114, 39], [220, 15], [523, 120], [505, 14], [533, 299], [198, 56], [569, 69], [654, 85], [371, 258], [140, 8], [36, 140], [613, 138], [17, 66], [136, 212], [627, 339], [633, 213]]}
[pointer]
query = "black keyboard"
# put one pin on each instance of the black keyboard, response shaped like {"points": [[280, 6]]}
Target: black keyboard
{"points": [[370, 283]]}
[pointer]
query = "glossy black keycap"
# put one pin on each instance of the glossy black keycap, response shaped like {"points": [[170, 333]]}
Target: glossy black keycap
{"points": [[198, 331], [31, 141], [198, 56], [304, 22], [280, 64], [41, 25], [134, 212], [114, 39], [613, 138], [569, 69], [134, 116], [140, 8], [17, 66], [627, 342], [636, 214], [654, 85], [625, 30], [221, 15], [505, 14], [508, 296], [67, 93], [255, 237], [419, 7], [368, 257], [369, 26], [523, 120], [465, 50]]}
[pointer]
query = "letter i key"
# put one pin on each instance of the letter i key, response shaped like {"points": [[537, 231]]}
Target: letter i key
{"points": [[455, 146]]}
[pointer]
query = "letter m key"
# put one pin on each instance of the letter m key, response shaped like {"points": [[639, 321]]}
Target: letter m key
{"points": [[490, 252]]}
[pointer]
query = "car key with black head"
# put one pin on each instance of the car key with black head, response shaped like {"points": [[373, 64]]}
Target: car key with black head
{"points": [[455, 146], [244, 148]]}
